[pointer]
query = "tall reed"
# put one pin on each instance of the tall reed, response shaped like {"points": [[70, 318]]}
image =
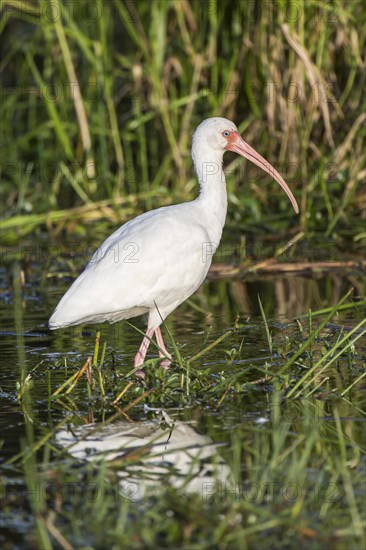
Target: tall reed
{"points": [[99, 100]]}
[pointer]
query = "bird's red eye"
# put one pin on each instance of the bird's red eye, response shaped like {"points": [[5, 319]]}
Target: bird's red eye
{"points": [[226, 133]]}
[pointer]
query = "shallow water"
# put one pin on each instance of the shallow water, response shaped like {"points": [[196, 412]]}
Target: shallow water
{"points": [[28, 346], [27, 343]]}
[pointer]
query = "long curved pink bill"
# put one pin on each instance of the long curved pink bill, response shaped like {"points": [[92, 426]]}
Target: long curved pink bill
{"points": [[238, 145]]}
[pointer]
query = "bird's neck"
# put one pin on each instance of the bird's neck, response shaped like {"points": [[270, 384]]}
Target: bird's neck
{"points": [[213, 196]]}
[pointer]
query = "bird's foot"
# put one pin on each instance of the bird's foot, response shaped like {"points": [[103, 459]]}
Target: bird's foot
{"points": [[140, 374], [165, 363], [138, 362]]}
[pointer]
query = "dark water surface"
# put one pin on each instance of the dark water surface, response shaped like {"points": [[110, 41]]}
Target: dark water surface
{"points": [[27, 342], [27, 345]]}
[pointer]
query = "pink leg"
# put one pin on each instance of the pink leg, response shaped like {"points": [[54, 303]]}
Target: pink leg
{"points": [[141, 354], [163, 352]]}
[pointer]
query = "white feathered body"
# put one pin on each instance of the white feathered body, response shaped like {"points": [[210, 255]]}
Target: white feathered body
{"points": [[149, 265]]}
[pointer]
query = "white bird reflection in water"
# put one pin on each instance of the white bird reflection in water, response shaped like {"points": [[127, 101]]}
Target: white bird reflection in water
{"points": [[153, 454]]}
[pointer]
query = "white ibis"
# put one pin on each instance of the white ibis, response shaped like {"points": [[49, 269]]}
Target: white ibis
{"points": [[188, 460], [156, 261]]}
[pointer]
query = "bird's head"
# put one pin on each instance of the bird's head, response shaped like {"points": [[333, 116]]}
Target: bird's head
{"points": [[220, 134]]}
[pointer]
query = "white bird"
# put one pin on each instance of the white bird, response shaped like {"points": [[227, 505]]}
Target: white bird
{"points": [[154, 262], [167, 452]]}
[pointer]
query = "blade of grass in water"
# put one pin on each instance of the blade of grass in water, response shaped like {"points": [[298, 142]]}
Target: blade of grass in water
{"points": [[268, 334], [346, 342], [314, 335]]}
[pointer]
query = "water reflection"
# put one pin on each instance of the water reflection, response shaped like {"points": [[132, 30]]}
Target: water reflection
{"points": [[284, 297], [151, 454]]}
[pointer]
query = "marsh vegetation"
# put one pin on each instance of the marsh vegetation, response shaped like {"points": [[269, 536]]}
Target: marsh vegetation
{"points": [[99, 101]]}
